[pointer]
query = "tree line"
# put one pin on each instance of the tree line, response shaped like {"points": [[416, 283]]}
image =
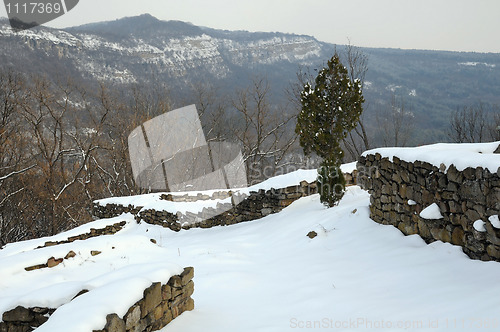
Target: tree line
{"points": [[63, 145]]}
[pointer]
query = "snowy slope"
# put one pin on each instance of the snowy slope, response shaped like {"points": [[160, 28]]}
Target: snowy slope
{"points": [[267, 275]]}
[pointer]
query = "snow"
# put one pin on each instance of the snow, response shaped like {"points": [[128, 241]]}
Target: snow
{"points": [[411, 202], [461, 155], [474, 64], [495, 222], [129, 261], [264, 275], [479, 226], [153, 201], [431, 212]]}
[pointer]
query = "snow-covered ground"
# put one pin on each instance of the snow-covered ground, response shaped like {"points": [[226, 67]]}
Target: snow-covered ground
{"points": [[265, 275]]}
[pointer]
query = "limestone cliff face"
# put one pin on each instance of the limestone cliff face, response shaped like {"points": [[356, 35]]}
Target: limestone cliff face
{"points": [[129, 49]]}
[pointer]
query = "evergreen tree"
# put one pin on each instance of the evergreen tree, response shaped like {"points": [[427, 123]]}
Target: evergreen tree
{"points": [[331, 108]]}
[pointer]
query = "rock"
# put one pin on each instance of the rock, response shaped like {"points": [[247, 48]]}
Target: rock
{"points": [[266, 211], [408, 228], [472, 215], [422, 228], [189, 289], [175, 282], [497, 149], [166, 292], [70, 254], [189, 305], [152, 298], [458, 237], [312, 234], [158, 313], [18, 314], [132, 317], [52, 262], [83, 291], [441, 234], [187, 275], [114, 324], [36, 267], [286, 202], [95, 252], [493, 251]]}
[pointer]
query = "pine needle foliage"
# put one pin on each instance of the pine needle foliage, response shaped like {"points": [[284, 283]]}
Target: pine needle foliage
{"points": [[331, 108]]}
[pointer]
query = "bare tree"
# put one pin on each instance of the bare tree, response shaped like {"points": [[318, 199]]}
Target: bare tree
{"points": [[396, 122], [472, 124], [13, 159], [62, 147], [213, 112], [494, 127], [357, 141], [265, 133]]}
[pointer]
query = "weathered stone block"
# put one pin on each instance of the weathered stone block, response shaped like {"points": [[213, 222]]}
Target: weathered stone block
{"points": [[158, 312], [152, 298], [114, 324], [18, 314], [132, 317], [166, 292], [188, 289], [455, 207], [286, 202], [408, 228], [441, 234], [175, 281], [266, 211], [423, 229], [53, 262], [458, 236], [493, 251], [472, 215]]}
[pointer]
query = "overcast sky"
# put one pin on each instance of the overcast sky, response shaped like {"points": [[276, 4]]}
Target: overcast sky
{"points": [[456, 25]]}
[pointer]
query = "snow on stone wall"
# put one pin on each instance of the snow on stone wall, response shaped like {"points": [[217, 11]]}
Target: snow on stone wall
{"points": [[243, 207], [437, 202], [160, 304]]}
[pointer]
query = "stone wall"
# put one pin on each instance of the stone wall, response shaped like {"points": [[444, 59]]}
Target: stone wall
{"points": [[108, 230], [22, 319], [243, 208], [468, 201], [159, 306]]}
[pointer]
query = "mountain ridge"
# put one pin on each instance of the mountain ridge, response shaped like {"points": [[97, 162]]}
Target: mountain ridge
{"points": [[131, 50]]}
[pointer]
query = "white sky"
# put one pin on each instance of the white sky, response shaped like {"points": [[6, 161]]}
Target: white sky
{"points": [[457, 25]]}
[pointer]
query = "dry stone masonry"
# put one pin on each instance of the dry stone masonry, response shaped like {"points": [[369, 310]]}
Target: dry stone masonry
{"points": [[256, 205], [22, 319], [108, 230], [161, 303], [466, 203]]}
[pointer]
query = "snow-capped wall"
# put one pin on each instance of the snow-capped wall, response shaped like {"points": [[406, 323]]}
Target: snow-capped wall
{"points": [[207, 211], [159, 306], [437, 198]]}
